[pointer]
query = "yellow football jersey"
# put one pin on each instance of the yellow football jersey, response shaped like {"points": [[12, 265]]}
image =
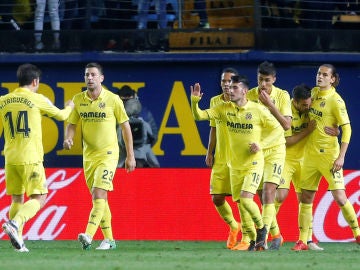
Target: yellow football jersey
{"points": [[281, 99], [244, 125], [21, 112], [98, 120], [299, 122], [328, 109]]}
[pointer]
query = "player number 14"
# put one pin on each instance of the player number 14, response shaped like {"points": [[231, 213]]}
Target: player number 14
{"points": [[22, 124]]}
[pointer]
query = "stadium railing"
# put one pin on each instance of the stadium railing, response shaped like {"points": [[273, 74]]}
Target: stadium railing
{"points": [[237, 25]]}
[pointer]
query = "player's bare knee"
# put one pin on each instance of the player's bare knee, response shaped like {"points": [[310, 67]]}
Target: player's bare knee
{"points": [[39, 197], [281, 195], [218, 200], [339, 197]]}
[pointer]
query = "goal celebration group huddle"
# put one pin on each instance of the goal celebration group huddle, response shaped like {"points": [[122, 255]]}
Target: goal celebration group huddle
{"points": [[260, 141]]}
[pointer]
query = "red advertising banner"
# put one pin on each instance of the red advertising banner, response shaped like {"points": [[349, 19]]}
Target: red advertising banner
{"points": [[166, 204]]}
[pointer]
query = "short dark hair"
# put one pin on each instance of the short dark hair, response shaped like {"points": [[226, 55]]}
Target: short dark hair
{"points": [[95, 65], [301, 92], [26, 73], [240, 79], [267, 68]]}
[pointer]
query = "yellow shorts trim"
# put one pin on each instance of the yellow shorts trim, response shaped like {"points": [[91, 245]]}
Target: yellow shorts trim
{"points": [[100, 173]]}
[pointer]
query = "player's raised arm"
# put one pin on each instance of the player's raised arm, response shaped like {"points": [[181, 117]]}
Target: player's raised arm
{"points": [[196, 90], [195, 98]]}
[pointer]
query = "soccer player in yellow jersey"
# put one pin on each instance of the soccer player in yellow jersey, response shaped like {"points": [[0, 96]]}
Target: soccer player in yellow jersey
{"points": [[296, 138], [98, 111], [324, 156], [216, 160], [245, 122], [278, 103], [21, 112]]}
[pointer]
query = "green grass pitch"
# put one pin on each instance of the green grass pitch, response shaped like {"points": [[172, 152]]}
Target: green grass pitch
{"points": [[53, 255]]}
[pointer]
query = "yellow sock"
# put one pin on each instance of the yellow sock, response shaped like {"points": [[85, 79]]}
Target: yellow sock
{"points": [[253, 210], [305, 220], [350, 217], [14, 208], [226, 214], [105, 224], [310, 233], [309, 238], [277, 206], [268, 214], [247, 225], [27, 211], [95, 216], [274, 228]]}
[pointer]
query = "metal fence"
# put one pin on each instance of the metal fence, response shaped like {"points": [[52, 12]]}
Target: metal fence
{"points": [[169, 25]]}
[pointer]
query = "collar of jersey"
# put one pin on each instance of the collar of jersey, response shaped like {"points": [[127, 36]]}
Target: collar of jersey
{"points": [[241, 107], [322, 94], [22, 89], [86, 96]]}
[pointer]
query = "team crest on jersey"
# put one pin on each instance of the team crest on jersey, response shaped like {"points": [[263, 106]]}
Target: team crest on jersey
{"points": [[322, 104], [102, 105], [248, 116]]}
